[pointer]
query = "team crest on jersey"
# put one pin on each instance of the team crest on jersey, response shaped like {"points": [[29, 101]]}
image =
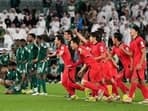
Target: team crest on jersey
{"points": [[142, 43], [88, 48], [101, 48], [127, 48], [62, 48]]}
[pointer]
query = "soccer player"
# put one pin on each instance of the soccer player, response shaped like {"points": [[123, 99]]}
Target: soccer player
{"points": [[93, 75], [12, 80], [68, 76], [100, 54], [138, 54], [122, 51], [42, 65], [68, 35], [4, 58], [32, 51], [21, 56]]}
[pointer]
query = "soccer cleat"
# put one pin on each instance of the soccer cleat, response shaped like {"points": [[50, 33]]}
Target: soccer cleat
{"points": [[23, 91], [104, 98], [100, 95], [67, 96], [36, 94], [35, 90], [87, 92], [91, 99], [43, 94], [108, 99], [145, 101], [127, 99], [29, 91], [116, 98], [73, 97]]}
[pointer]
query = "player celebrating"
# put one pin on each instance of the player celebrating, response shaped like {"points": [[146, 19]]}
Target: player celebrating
{"points": [[99, 51], [138, 54], [68, 76], [122, 51], [93, 75]]}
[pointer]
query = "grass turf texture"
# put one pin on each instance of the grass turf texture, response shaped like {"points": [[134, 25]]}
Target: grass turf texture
{"points": [[55, 101]]}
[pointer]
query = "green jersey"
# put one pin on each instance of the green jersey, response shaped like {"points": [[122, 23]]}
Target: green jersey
{"points": [[4, 59], [21, 59], [13, 75], [32, 52], [42, 52], [21, 55], [42, 66]]}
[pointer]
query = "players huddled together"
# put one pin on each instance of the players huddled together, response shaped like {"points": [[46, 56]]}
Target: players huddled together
{"points": [[98, 66]]}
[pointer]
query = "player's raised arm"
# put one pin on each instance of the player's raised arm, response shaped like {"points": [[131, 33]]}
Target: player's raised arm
{"points": [[80, 36]]}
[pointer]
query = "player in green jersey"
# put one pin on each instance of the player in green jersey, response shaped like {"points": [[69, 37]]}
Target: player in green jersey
{"points": [[32, 52], [12, 80], [21, 59], [4, 58], [42, 65]]}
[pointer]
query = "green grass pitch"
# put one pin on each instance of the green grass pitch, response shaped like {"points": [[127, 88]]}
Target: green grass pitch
{"points": [[55, 101]]}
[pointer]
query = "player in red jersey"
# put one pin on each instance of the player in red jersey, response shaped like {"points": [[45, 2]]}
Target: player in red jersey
{"points": [[98, 50], [122, 51], [138, 54], [68, 76], [93, 75], [100, 54]]}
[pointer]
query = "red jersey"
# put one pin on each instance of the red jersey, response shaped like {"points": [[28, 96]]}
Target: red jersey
{"points": [[136, 47], [93, 66], [124, 58], [65, 54], [97, 49], [86, 56]]}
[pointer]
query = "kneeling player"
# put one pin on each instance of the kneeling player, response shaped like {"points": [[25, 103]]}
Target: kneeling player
{"points": [[12, 80]]}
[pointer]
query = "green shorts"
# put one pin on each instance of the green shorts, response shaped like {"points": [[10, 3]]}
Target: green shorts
{"points": [[22, 68], [30, 67], [42, 68]]}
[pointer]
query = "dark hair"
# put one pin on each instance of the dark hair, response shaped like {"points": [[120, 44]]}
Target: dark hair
{"points": [[39, 37], [139, 31], [118, 36], [69, 32], [45, 37], [97, 35], [32, 35], [61, 38], [75, 40], [136, 28], [22, 40], [11, 63]]}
